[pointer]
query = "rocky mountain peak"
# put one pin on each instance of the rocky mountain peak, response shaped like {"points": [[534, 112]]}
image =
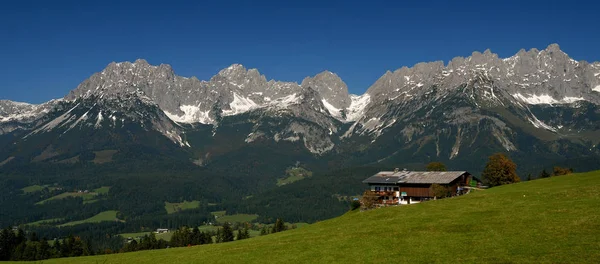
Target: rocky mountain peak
{"points": [[331, 88]]}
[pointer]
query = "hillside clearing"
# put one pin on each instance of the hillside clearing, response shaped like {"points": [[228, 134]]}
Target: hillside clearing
{"points": [[166, 236], [84, 196], [103, 216], [51, 221], [177, 207], [554, 220], [37, 188], [104, 156], [237, 218]]}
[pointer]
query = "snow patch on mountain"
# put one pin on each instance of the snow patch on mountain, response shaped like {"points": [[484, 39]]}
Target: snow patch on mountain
{"points": [[55, 122], [546, 99], [335, 112], [240, 105], [357, 106], [285, 102], [99, 120], [191, 114], [19, 111], [539, 124], [597, 88]]}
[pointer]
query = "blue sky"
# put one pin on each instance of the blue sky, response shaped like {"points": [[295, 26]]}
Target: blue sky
{"points": [[48, 47]]}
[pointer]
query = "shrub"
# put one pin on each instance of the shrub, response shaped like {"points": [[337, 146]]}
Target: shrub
{"points": [[557, 171], [355, 204]]}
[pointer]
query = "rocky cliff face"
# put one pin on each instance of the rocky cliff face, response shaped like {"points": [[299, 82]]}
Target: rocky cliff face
{"points": [[449, 108]]}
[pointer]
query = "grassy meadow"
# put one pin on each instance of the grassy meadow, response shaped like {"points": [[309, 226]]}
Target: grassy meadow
{"points": [[176, 207], [553, 220], [103, 216]]}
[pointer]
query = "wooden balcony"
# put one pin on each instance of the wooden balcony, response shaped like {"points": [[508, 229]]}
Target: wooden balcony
{"points": [[390, 202], [385, 193]]}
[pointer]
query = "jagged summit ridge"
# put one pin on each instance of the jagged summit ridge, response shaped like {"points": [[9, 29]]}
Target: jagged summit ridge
{"points": [[528, 75], [428, 102], [548, 76]]}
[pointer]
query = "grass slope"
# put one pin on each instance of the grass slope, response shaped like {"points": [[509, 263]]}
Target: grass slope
{"points": [[51, 221], [85, 196], [37, 188], [554, 220], [176, 207], [237, 218], [104, 216], [165, 236]]}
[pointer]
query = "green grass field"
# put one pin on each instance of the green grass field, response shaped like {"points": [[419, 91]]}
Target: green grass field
{"points": [[176, 207], [85, 196], [104, 156], [165, 236], [102, 190], [104, 216], [45, 222], [208, 228], [33, 188], [294, 175], [37, 188], [553, 220], [218, 213], [237, 218]]}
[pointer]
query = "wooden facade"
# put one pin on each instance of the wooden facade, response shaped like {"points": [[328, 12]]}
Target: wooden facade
{"points": [[403, 189]]}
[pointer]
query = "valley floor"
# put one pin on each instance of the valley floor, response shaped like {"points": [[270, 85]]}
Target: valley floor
{"points": [[554, 220]]}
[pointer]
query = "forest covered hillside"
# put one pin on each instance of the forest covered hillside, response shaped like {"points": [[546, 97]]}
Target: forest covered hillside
{"points": [[552, 220]]}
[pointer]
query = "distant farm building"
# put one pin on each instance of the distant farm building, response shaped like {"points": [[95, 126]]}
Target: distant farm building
{"points": [[406, 187], [162, 230]]}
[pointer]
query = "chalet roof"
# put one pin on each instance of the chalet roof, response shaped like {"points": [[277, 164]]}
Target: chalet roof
{"points": [[414, 177]]}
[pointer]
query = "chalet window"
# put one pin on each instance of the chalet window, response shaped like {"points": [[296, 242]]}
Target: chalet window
{"points": [[396, 189]]}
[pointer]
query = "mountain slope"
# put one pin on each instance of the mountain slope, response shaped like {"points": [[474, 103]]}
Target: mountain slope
{"points": [[519, 223], [538, 106]]}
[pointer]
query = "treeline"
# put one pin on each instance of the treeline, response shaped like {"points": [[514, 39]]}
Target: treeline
{"points": [[556, 171], [322, 196], [17, 246]]}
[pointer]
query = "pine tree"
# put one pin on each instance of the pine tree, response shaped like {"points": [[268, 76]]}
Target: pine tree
{"points": [[7, 244], [278, 226], [195, 236], [544, 174], [246, 233], [227, 232], [264, 230], [239, 235], [44, 250], [219, 236]]}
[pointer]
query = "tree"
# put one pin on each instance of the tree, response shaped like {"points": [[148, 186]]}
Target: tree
{"points": [[436, 166], [278, 226], [219, 236], [355, 204], [440, 191], [368, 199], [529, 177], [557, 171], [7, 243], [131, 246], [500, 170], [544, 174], [227, 233], [264, 231], [195, 236]]}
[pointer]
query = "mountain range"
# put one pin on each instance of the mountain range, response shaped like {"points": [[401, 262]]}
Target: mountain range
{"points": [[539, 106]]}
